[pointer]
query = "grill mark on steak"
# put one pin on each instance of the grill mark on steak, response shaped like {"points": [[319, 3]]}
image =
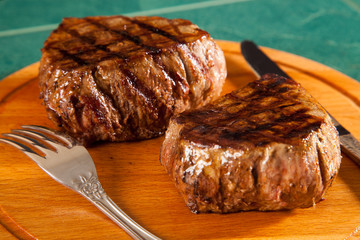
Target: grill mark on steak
{"points": [[254, 132], [115, 59], [180, 85], [72, 57], [151, 101], [173, 38], [108, 96], [146, 93], [278, 151], [185, 57], [83, 38], [79, 107], [177, 30], [154, 29], [282, 126], [176, 79], [304, 130], [96, 107], [91, 42], [173, 75], [179, 38], [221, 195], [254, 173], [153, 50], [321, 165], [176, 40], [124, 34], [82, 62]]}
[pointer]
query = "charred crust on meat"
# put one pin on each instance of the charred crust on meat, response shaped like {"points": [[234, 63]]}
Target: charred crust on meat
{"points": [[155, 29], [144, 70], [268, 146], [255, 176], [284, 120]]}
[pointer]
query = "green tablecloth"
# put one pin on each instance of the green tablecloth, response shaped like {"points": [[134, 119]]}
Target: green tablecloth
{"points": [[327, 31]]}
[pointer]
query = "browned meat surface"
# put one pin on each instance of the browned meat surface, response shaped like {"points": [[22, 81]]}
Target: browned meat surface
{"points": [[268, 146], [119, 78]]}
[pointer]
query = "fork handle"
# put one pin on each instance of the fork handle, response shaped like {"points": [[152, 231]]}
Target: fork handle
{"points": [[110, 209]]}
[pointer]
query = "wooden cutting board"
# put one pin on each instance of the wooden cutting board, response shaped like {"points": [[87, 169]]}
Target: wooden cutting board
{"points": [[32, 205]]}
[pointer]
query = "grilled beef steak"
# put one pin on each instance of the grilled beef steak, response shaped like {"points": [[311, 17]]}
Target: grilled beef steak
{"points": [[119, 78], [268, 146]]}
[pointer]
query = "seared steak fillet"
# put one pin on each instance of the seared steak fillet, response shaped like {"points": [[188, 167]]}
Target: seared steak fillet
{"points": [[119, 78], [268, 146]]}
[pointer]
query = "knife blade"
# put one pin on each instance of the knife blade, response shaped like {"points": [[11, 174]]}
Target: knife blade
{"points": [[262, 64]]}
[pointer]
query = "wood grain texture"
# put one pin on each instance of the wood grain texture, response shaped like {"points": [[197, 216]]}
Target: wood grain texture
{"points": [[32, 205]]}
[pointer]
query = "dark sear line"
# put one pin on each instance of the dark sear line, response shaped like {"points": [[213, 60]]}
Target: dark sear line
{"points": [[124, 34], [221, 125], [145, 92], [84, 62], [283, 156], [141, 89], [154, 29], [65, 53], [83, 38], [179, 84], [91, 42], [142, 71], [72, 57], [168, 35]]}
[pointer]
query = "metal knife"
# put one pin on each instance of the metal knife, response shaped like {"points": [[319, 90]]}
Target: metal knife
{"points": [[262, 64]]}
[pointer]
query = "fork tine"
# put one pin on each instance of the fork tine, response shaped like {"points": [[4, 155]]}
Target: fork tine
{"points": [[25, 149], [42, 136], [48, 131], [29, 140], [18, 145]]}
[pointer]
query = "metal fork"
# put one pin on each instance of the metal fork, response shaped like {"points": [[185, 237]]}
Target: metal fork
{"points": [[71, 165]]}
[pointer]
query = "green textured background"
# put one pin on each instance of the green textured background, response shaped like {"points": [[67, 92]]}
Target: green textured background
{"points": [[327, 31]]}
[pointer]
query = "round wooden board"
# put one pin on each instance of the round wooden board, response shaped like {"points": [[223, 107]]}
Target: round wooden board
{"points": [[32, 205]]}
